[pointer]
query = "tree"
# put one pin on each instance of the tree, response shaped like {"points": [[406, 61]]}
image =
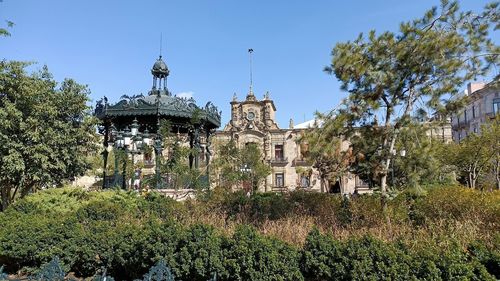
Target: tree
{"points": [[424, 64], [478, 155], [419, 158], [45, 131], [327, 150], [490, 133], [472, 159], [238, 166], [4, 32]]}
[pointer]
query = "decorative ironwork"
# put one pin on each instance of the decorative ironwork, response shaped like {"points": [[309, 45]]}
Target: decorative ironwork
{"points": [[279, 161], [3, 276], [159, 272], [51, 271], [143, 115]]}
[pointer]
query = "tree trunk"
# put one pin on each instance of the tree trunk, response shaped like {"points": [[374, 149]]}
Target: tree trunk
{"points": [[5, 194]]}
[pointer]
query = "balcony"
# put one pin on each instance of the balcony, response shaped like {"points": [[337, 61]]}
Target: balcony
{"points": [[279, 161], [491, 115], [279, 189], [300, 162], [149, 163]]}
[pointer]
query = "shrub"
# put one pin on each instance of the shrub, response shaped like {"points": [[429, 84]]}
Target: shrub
{"points": [[324, 258], [124, 235], [487, 256], [355, 259], [250, 256], [199, 254]]}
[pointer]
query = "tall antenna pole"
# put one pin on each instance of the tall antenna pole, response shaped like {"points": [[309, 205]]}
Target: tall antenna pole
{"points": [[250, 51]]}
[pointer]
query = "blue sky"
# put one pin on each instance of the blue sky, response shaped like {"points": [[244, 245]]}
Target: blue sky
{"points": [[112, 45]]}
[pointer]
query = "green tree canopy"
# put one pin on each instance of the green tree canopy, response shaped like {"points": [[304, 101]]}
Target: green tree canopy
{"points": [[327, 150], [478, 155], [45, 130], [237, 166], [424, 65]]}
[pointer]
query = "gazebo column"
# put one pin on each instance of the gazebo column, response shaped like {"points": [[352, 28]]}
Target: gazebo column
{"points": [[208, 153], [115, 175], [191, 146], [158, 153], [105, 153], [194, 144], [197, 147]]}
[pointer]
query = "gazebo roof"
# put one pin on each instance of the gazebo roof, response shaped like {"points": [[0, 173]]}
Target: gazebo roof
{"points": [[159, 103]]}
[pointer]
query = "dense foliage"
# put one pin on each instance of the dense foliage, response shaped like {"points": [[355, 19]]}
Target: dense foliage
{"points": [[126, 234], [477, 157], [394, 75], [45, 130], [242, 166]]}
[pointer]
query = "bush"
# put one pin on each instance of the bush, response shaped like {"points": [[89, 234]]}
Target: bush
{"points": [[355, 259], [250, 256], [123, 235], [459, 203], [324, 258], [487, 256], [199, 254]]}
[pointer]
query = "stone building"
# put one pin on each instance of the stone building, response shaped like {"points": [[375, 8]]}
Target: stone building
{"points": [[253, 121], [483, 105]]}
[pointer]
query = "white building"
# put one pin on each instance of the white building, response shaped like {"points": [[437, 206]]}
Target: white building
{"points": [[483, 105]]}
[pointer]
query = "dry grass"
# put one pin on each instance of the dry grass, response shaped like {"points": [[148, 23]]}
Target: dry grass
{"points": [[294, 229]]}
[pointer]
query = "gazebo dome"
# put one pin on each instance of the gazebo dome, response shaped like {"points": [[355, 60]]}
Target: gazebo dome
{"points": [[160, 69], [158, 104]]}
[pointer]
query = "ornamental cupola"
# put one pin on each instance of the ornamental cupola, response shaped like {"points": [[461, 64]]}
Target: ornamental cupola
{"points": [[160, 72]]}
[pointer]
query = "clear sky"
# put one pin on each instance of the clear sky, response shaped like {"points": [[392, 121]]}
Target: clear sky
{"points": [[111, 45]]}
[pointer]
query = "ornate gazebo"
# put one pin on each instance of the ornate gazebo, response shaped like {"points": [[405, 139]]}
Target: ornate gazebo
{"points": [[134, 122]]}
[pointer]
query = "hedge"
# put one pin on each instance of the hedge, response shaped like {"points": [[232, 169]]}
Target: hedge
{"points": [[126, 234]]}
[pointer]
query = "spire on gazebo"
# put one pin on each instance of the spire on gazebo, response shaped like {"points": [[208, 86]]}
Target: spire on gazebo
{"points": [[160, 72]]}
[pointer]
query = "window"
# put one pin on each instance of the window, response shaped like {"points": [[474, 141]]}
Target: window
{"points": [[465, 116], [148, 159], [279, 180], [304, 181], [496, 106], [473, 112], [278, 152]]}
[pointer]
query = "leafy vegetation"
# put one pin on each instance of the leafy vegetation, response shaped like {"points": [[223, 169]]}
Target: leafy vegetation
{"points": [[240, 166], [477, 157], [45, 131], [450, 232], [394, 75]]}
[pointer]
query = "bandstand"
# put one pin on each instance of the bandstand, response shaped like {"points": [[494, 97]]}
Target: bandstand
{"points": [[134, 123]]}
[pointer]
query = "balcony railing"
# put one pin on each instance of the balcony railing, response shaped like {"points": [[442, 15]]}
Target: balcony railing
{"points": [[149, 163], [279, 160], [280, 188], [491, 115], [300, 162]]}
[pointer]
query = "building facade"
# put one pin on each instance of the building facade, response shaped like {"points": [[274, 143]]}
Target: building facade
{"points": [[483, 105], [253, 121]]}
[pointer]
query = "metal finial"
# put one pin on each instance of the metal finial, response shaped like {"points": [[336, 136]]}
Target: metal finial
{"points": [[161, 42]]}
